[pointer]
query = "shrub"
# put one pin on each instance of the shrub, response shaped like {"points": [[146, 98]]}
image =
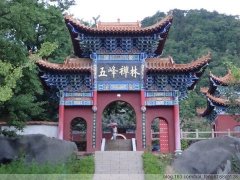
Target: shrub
{"points": [[155, 164], [84, 165]]}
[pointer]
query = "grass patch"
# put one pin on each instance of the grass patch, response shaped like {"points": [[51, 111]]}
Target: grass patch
{"points": [[84, 165], [154, 165]]}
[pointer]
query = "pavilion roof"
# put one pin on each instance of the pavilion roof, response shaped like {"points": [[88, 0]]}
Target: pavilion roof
{"points": [[222, 101], [152, 64], [224, 80], [120, 26], [168, 65], [218, 81], [70, 64], [211, 103], [117, 28]]}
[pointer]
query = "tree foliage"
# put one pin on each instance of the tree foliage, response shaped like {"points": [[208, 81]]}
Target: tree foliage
{"points": [[24, 27], [233, 90], [8, 78]]}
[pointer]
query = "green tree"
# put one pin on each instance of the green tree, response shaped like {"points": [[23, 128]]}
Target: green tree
{"points": [[24, 26], [233, 89], [8, 78]]}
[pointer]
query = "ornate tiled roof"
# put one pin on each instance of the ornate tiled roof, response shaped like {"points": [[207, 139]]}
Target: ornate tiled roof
{"points": [[70, 64], [121, 26], [211, 111], [168, 65], [149, 39], [217, 100], [118, 27], [212, 103], [152, 64], [225, 80], [221, 100], [216, 82]]}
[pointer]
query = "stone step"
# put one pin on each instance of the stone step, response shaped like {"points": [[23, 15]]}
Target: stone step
{"points": [[119, 145], [118, 177], [118, 162]]}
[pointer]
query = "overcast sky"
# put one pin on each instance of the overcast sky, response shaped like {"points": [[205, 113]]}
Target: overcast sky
{"points": [[134, 10]]}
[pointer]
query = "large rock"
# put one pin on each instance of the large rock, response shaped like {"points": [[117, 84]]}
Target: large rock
{"points": [[213, 156], [37, 148]]}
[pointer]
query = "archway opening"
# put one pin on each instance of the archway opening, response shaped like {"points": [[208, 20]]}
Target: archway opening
{"points": [[124, 115], [155, 135], [79, 133], [160, 135]]}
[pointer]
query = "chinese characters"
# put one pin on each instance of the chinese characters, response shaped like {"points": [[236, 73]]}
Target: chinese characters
{"points": [[121, 71]]}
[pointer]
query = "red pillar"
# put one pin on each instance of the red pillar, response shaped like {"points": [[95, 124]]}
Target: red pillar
{"points": [[177, 129], [60, 121], [142, 141], [142, 98], [96, 140], [95, 98]]}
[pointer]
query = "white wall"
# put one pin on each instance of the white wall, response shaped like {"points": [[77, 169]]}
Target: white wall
{"points": [[48, 130]]}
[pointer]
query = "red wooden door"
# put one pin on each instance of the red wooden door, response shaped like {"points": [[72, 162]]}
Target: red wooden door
{"points": [[163, 136]]}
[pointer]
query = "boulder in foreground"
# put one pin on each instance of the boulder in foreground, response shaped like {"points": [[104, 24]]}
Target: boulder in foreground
{"points": [[36, 148], [213, 156]]}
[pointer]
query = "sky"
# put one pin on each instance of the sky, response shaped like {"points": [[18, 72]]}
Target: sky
{"points": [[136, 10]]}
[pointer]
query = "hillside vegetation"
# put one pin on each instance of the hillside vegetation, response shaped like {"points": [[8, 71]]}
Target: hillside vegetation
{"points": [[193, 34]]}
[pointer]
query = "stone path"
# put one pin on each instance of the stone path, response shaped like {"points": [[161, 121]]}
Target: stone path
{"points": [[118, 165]]}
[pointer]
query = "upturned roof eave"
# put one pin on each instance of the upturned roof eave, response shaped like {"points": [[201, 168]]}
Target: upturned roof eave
{"points": [[196, 65], [217, 100], [45, 65], [223, 80], [140, 31]]}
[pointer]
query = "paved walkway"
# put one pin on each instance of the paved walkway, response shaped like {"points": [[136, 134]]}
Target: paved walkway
{"points": [[118, 165]]}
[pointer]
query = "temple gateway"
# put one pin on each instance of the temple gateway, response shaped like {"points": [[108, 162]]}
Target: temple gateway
{"points": [[120, 63]]}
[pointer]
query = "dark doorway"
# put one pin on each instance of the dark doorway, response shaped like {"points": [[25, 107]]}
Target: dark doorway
{"points": [[124, 115], [79, 133], [155, 135]]}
